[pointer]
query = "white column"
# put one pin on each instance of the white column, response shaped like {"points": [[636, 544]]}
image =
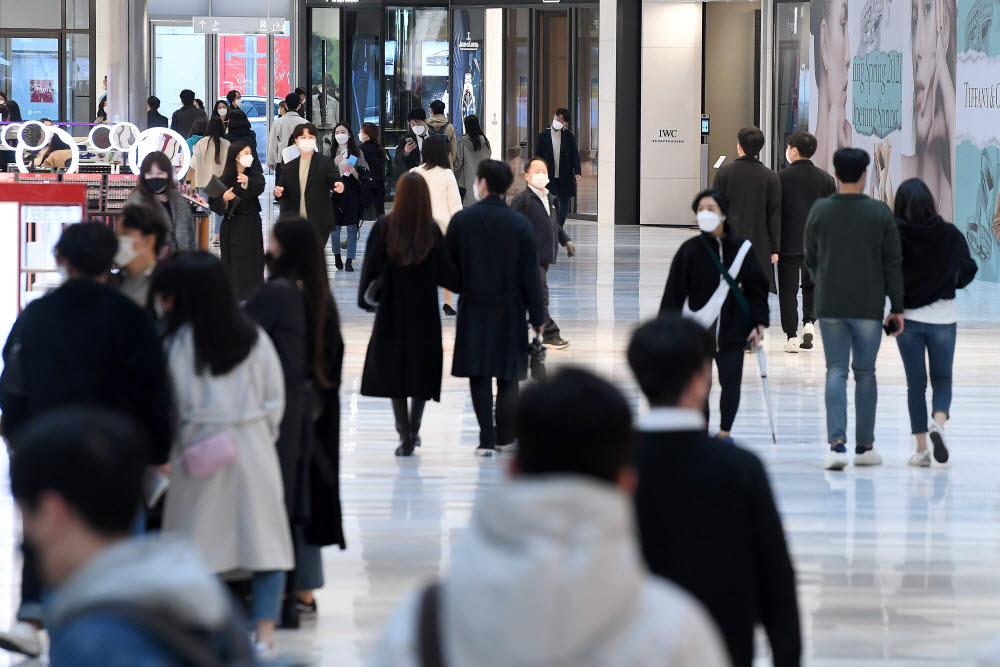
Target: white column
{"points": [[607, 82], [493, 82]]}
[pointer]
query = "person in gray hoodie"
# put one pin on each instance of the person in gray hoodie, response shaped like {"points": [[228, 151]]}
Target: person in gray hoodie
{"points": [[549, 570], [116, 600]]}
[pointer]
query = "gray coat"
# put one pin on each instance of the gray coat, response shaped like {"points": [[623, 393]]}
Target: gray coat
{"points": [[466, 164], [180, 221]]}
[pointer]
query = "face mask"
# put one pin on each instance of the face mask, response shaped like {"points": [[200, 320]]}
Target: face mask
{"points": [[342, 138], [418, 130], [157, 185], [788, 158], [63, 273], [475, 191], [362, 137], [246, 161], [237, 102], [556, 125], [539, 181], [306, 145], [708, 221], [223, 112], [126, 251]]}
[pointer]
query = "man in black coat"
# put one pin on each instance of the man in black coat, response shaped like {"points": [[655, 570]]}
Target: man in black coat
{"points": [[754, 194], [408, 151], [83, 343], [707, 518], [540, 207], [802, 183], [493, 249], [153, 116], [182, 119], [557, 146]]}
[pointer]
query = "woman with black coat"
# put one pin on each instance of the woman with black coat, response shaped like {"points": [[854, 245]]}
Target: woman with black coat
{"points": [[347, 205], [377, 159], [407, 254], [936, 262], [242, 242], [305, 183], [697, 289], [238, 129]]}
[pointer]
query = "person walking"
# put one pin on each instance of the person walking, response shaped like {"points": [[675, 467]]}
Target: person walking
{"points": [[111, 358], [552, 551], [411, 144], [802, 183], [439, 126], [242, 242], [226, 493], [153, 116], [208, 158], [347, 204], [198, 130], [306, 182], [852, 250], [557, 146], [715, 280], [376, 158], [473, 148], [406, 259], [157, 190], [141, 238], [539, 206], [493, 249], [754, 194], [184, 118], [723, 542], [281, 132], [445, 199], [296, 310], [936, 262]]}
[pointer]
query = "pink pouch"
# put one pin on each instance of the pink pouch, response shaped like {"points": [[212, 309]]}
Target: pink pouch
{"points": [[207, 457]]}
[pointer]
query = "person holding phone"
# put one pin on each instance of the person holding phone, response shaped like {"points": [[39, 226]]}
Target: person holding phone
{"points": [[408, 152], [242, 242], [347, 205]]}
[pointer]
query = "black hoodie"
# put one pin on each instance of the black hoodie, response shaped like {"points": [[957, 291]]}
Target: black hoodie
{"points": [[936, 261]]}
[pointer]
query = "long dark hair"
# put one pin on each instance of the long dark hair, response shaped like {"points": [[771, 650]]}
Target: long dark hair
{"points": [[203, 297], [302, 261], [163, 162], [352, 144], [215, 108], [435, 153], [13, 112], [230, 170], [371, 129], [915, 203], [215, 131], [198, 128], [410, 237], [239, 124], [474, 131]]}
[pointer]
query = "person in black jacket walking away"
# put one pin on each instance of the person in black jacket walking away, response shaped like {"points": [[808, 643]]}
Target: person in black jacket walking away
{"points": [[936, 262], [153, 116], [239, 129], [557, 146], [706, 514], [376, 158], [493, 249], [242, 243], [540, 207], [306, 182], [802, 183], [184, 118], [697, 289], [406, 259]]}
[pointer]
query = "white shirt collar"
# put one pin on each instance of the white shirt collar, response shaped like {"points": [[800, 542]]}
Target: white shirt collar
{"points": [[543, 194], [671, 419]]}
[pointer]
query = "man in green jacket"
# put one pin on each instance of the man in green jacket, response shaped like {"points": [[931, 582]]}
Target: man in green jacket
{"points": [[852, 250]]}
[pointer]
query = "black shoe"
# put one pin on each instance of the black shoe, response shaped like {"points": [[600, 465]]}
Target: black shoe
{"points": [[416, 441], [338, 262], [349, 266], [449, 311], [556, 341], [306, 608], [289, 614], [405, 449]]}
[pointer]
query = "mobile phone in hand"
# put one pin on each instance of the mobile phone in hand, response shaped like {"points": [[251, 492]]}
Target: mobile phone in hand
{"points": [[891, 327]]}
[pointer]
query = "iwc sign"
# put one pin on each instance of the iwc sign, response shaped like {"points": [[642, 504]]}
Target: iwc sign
{"points": [[668, 137]]}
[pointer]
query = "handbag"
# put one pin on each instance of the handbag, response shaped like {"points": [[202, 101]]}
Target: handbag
{"points": [[207, 457], [537, 359]]}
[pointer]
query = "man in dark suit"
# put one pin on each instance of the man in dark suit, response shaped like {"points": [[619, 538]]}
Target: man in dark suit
{"points": [[557, 146], [184, 118], [408, 151], [707, 519], [493, 249], [754, 194], [802, 183], [153, 116], [540, 207]]}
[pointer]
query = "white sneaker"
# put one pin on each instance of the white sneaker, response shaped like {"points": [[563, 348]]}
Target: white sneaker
{"points": [[936, 434], [792, 346], [921, 459], [23, 638], [836, 460], [808, 333], [870, 457]]}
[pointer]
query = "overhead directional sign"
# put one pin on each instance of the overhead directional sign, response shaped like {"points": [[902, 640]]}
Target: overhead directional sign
{"points": [[239, 25]]}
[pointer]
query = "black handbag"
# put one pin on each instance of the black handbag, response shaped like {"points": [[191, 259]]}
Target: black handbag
{"points": [[537, 359]]}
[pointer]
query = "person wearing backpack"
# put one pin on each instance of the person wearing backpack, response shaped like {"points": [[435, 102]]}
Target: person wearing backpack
{"points": [[716, 280], [438, 125]]}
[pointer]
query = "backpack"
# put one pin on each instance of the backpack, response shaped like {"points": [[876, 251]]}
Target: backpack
{"points": [[441, 131]]}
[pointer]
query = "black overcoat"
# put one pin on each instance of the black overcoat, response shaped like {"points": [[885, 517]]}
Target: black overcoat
{"points": [[323, 173], [242, 239], [569, 160]]}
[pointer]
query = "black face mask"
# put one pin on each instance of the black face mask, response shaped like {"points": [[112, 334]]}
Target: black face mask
{"points": [[157, 185]]}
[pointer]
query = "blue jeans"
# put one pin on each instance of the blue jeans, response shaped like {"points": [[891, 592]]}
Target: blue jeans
{"points": [[266, 591], [938, 340], [352, 240], [842, 339]]}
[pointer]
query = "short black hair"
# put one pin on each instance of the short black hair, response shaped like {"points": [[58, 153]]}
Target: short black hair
{"points": [[300, 91], [751, 140], [803, 142], [232, 95], [154, 102], [435, 152], [140, 218], [564, 113], [573, 423], [850, 164], [665, 354], [301, 129], [416, 114], [497, 174], [94, 458], [187, 96], [437, 106], [88, 247], [720, 198], [537, 159], [292, 102]]}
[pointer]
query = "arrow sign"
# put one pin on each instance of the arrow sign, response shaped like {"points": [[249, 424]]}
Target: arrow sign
{"points": [[238, 25]]}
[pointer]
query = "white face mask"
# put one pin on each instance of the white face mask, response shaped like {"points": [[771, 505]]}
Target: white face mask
{"points": [[362, 137], [342, 138], [539, 181], [246, 161], [556, 125], [223, 112], [158, 309], [418, 130], [237, 102], [788, 157], [306, 145], [126, 251], [63, 273], [475, 191], [708, 221]]}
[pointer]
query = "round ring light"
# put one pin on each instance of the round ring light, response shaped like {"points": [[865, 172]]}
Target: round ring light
{"points": [[46, 135], [74, 164], [135, 158], [4, 131], [93, 144], [123, 126]]}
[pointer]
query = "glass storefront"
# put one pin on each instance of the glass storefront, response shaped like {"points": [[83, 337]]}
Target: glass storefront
{"points": [[791, 70], [178, 63]]}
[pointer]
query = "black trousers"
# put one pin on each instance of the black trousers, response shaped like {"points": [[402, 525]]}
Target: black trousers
{"points": [[506, 404], [789, 269], [408, 419], [562, 198], [729, 362], [277, 172], [551, 330]]}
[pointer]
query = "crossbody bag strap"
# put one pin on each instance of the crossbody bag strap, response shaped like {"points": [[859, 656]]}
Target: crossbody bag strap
{"points": [[741, 298], [429, 627]]}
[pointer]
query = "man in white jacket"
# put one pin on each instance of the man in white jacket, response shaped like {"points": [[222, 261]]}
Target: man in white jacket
{"points": [[281, 132], [549, 571]]}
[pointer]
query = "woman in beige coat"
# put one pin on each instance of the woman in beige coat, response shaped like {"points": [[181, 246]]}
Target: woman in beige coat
{"points": [[228, 386]]}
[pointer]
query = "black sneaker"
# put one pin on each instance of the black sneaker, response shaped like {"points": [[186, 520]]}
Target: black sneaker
{"points": [[349, 266], [338, 262], [405, 448], [556, 342], [449, 311]]}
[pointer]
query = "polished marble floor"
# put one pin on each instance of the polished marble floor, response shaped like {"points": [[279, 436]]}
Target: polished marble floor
{"points": [[896, 566]]}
